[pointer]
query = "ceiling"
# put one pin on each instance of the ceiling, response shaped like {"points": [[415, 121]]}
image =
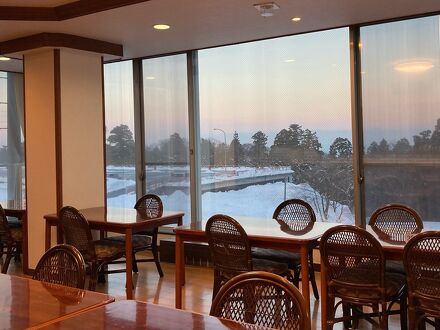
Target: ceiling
{"points": [[199, 24]]}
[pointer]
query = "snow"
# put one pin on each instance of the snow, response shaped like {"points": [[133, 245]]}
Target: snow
{"points": [[253, 201]]}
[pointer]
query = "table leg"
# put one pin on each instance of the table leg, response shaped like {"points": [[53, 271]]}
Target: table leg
{"points": [[129, 263], [323, 297], [180, 270], [305, 275], [47, 236]]}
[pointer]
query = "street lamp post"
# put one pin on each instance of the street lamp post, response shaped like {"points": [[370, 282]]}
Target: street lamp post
{"points": [[224, 135]]}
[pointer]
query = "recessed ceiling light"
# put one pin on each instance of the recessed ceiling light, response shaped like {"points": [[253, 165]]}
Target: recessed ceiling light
{"points": [[150, 78], [290, 60], [4, 58], [296, 19], [414, 66], [161, 26]]}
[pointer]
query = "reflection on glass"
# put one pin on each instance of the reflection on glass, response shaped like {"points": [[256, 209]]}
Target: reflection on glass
{"points": [[119, 123], [400, 115], [12, 171], [166, 131], [275, 124]]}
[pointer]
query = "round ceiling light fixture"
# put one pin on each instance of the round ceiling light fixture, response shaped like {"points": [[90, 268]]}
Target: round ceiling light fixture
{"points": [[414, 65], [161, 26], [295, 19], [4, 58]]}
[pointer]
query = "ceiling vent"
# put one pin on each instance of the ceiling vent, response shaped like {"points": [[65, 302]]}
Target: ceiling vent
{"points": [[266, 9]]}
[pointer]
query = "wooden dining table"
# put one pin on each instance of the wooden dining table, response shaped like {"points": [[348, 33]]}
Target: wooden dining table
{"points": [[393, 250], [117, 220], [267, 233], [27, 303], [131, 314]]}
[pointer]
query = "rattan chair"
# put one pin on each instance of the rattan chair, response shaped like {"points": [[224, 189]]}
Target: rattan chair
{"points": [[421, 258], [394, 222], [62, 264], [231, 252], [96, 253], [264, 299], [296, 216], [149, 206], [356, 275], [11, 238]]}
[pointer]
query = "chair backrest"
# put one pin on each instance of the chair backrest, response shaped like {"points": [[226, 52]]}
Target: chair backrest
{"points": [[62, 264], [421, 259], [229, 244], [295, 213], [5, 232], [263, 299], [354, 259], [150, 206], [77, 232], [396, 221]]}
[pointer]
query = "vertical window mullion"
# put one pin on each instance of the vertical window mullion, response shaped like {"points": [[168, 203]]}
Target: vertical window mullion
{"points": [[139, 128], [194, 135]]}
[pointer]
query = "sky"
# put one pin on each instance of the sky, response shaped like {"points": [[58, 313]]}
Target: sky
{"points": [[304, 79]]}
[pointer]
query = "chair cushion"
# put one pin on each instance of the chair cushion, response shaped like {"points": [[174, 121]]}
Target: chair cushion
{"points": [[105, 249], [394, 283], [17, 234], [14, 222], [394, 266], [270, 266], [140, 242], [292, 259]]}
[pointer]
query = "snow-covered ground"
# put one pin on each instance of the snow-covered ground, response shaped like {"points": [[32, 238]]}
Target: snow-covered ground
{"points": [[253, 201]]}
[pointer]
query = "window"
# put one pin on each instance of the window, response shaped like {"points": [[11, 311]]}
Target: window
{"points": [[12, 171], [166, 131], [120, 143], [275, 124], [400, 83]]}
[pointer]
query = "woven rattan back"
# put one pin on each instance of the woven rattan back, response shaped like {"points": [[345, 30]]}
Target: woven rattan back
{"points": [[396, 221], [295, 213], [62, 264], [353, 258], [421, 258], [229, 244], [264, 299], [77, 232], [5, 233], [150, 206]]}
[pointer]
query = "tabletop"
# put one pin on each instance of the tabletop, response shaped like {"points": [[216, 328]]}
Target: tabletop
{"points": [[25, 302], [265, 229], [131, 314], [119, 216]]}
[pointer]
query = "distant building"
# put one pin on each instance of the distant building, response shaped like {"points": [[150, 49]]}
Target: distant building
{"points": [[437, 127]]}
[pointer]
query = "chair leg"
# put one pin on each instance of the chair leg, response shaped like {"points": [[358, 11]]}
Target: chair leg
{"points": [[330, 311], [156, 253], [346, 312], [135, 265], [383, 317], [403, 313], [312, 276], [94, 268], [9, 254]]}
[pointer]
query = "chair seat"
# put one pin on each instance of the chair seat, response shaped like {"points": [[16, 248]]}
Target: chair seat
{"points": [[106, 249], [292, 259], [394, 266], [394, 283], [140, 242], [269, 266]]}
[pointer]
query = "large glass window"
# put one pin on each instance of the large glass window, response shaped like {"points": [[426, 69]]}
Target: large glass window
{"points": [[400, 84], [275, 124], [166, 131], [12, 174], [120, 144]]}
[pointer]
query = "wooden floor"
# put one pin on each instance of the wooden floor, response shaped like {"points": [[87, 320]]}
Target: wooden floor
{"points": [[197, 291]]}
